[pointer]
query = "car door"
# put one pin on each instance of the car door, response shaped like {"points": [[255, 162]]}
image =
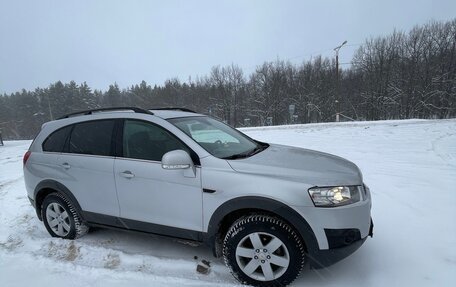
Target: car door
{"points": [[86, 168], [152, 198]]}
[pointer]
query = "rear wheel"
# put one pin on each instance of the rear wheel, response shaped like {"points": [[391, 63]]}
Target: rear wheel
{"points": [[263, 250], [60, 217]]}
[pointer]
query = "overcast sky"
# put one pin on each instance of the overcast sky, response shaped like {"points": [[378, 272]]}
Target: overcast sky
{"points": [[102, 42]]}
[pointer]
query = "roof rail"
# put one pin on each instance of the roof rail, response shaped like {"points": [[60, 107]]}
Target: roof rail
{"points": [[89, 112], [174, 109]]}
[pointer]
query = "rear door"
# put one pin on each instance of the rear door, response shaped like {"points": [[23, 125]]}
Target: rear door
{"points": [[86, 167], [150, 197]]}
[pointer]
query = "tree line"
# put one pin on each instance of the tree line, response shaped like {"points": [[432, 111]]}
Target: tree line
{"points": [[399, 76]]}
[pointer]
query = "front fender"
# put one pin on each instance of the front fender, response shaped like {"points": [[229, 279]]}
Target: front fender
{"points": [[261, 204]]}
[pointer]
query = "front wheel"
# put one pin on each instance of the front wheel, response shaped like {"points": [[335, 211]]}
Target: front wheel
{"points": [[263, 250]]}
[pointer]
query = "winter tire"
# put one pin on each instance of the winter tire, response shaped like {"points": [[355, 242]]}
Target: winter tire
{"points": [[60, 217], [263, 250]]}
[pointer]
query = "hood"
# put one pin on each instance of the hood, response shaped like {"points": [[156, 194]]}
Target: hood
{"points": [[312, 167]]}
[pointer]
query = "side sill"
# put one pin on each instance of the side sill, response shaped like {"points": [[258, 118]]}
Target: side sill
{"points": [[112, 222]]}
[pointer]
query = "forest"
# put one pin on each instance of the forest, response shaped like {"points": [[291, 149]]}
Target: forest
{"points": [[403, 75]]}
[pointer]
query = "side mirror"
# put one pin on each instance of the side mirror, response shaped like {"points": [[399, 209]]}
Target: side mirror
{"points": [[179, 159], [176, 159]]}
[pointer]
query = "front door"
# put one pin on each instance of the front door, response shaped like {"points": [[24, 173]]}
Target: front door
{"points": [[152, 198]]}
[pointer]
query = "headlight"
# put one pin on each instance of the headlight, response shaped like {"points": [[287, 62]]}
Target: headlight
{"points": [[335, 195]]}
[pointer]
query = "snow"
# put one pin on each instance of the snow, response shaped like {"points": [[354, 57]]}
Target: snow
{"points": [[409, 165]]}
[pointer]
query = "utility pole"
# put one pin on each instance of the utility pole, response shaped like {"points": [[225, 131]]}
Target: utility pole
{"points": [[337, 79]]}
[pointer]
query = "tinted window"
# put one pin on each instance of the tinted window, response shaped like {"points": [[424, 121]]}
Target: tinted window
{"points": [[142, 140], [56, 141], [92, 138]]}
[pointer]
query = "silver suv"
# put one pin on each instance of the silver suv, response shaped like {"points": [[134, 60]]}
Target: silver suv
{"points": [[267, 209]]}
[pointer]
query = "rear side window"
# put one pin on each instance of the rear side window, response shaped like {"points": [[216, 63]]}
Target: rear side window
{"points": [[92, 138], [56, 141]]}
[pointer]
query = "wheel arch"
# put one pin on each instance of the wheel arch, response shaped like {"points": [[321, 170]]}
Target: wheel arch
{"points": [[231, 210], [46, 187]]}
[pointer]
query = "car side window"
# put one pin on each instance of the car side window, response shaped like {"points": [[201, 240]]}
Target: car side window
{"points": [[56, 140], [94, 138], [142, 140]]}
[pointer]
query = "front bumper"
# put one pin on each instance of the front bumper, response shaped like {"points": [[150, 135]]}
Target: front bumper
{"points": [[354, 216], [324, 258]]}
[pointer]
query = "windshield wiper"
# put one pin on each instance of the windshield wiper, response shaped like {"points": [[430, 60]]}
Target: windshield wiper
{"points": [[246, 154], [257, 150]]}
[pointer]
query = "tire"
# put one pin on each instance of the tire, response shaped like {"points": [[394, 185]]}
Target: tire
{"points": [[61, 219], [253, 232]]}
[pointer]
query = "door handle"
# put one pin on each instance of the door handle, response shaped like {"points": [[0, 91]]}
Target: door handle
{"points": [[66, 165], [127, 174]]}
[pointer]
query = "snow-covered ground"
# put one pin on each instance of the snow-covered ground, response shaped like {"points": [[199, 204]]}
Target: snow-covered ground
{"points": [[410, 167]]}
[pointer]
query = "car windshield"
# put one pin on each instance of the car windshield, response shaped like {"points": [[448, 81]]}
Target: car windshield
{"points": [[217, 138]]}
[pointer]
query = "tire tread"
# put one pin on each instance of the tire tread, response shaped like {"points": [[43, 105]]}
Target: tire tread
{"points": [[80, 226], [263, 218]]}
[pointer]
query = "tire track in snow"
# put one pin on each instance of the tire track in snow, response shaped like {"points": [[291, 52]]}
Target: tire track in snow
{"points": [[78, 254]]}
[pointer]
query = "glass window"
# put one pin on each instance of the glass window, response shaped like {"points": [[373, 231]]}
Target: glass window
{"points": [[217, 138], [147, 141], [56, 141], [92, 137], [209, 134]]}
